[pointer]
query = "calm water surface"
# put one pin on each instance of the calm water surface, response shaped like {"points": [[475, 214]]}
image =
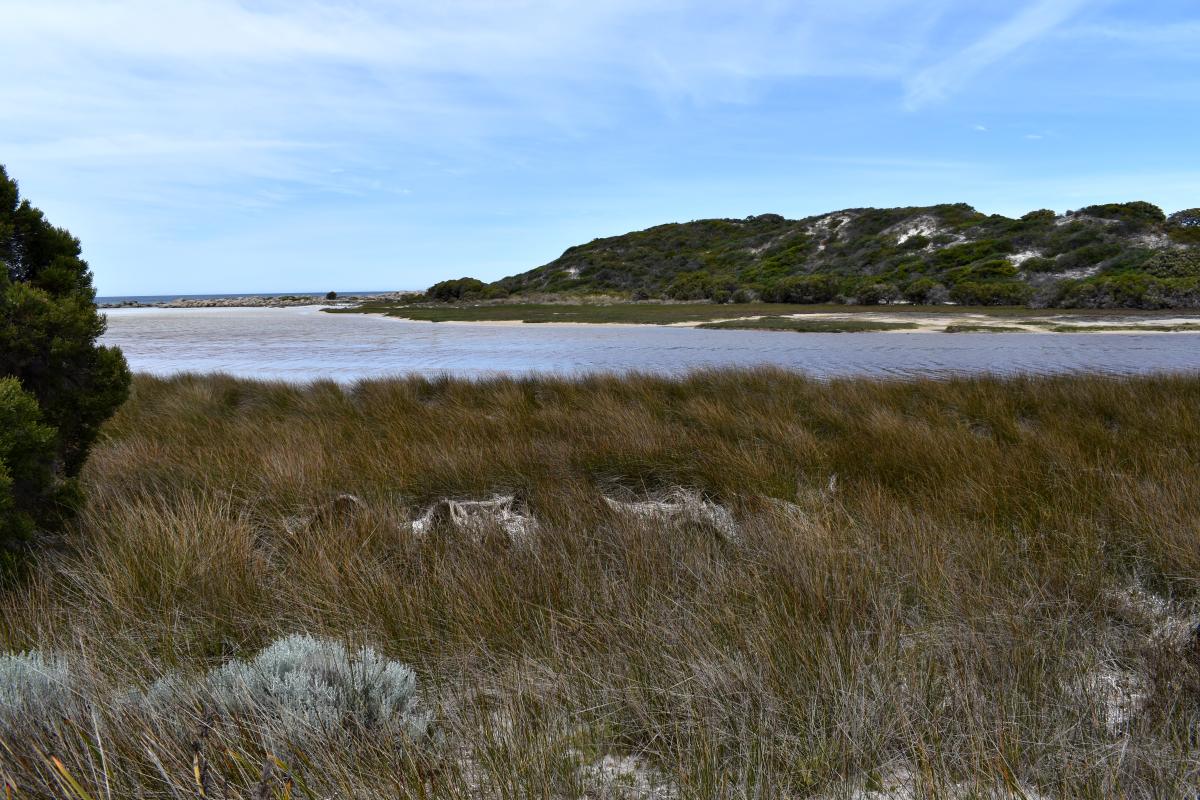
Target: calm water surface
{"points": [[305, 344]]}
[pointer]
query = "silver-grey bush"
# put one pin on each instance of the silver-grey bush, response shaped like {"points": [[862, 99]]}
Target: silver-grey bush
{"points": [[303, 688], [35, 690]]}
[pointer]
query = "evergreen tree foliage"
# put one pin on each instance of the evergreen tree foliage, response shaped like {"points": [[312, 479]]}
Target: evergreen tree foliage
{"points": [[56, 384]]}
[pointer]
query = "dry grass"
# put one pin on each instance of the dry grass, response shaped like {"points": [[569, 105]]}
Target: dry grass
{"points": [[949, 608]]}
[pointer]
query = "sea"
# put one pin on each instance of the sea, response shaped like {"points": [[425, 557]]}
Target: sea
{"points": [[303, 344], [146, 299]]}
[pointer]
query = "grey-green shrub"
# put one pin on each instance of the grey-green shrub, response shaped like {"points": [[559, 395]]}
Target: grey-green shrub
{"points": [[35, 690], [303, 688]]}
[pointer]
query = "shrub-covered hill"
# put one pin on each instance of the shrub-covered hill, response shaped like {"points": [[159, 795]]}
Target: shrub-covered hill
{"points": [[1113, 255]]}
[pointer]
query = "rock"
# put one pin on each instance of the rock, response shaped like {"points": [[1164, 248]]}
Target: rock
{"points": [[477, 517], [679, 504]]}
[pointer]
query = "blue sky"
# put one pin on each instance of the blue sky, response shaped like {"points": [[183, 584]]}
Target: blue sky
{"points": [[295, 145]]}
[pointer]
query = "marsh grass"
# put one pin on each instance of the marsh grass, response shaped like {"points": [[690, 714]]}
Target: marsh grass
{"points": [[616, 310], [972, 328], [930, 580], [801, 325], [1181, 327]]}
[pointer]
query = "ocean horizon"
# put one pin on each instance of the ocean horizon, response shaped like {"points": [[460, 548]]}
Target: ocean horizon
{"points": [[167, 298]]}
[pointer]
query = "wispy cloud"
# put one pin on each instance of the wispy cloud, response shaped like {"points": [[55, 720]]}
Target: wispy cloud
{"points": [[942, 78], [219, 135], [447, 80], [1178, 37]]}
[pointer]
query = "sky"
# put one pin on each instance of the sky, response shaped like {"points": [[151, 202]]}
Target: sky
{"points": [[200, 146]]}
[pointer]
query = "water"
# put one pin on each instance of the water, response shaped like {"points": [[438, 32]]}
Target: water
{"points": [[147, 299], [302, 344]]}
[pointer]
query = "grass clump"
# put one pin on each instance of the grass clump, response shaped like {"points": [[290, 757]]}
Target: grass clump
{"points": [[801, 325], [971, 328], [740, 584]]}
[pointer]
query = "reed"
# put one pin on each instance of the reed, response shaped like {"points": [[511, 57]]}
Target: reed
{"points": [[932, 587]]}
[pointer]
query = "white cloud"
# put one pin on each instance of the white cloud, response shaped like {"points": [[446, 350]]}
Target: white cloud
{"points": [[937, 81], [205, 91]]}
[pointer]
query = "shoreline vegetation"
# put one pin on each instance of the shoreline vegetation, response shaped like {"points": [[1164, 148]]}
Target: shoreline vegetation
{"points": [[823, 318], [739, 583]]}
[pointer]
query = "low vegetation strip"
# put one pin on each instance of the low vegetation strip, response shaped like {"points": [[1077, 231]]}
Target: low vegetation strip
{"points": [[598, 312], [801, 325], [737, 583], [1183, 327], [742, 315]]}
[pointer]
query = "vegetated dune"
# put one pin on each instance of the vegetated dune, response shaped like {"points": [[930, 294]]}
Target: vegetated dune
{"points": [[735, 584], [1114, 255]]}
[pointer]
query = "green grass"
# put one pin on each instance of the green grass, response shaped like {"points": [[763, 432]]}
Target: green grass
{"points": [[801, 325], [1178, 328], [936, 579]]}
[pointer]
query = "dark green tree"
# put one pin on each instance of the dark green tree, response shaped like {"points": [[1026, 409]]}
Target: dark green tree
{"points": [[457, 289], [49, 327], [1184, 226], [27, 481]]}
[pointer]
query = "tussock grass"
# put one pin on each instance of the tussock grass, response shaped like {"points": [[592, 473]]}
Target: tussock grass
{"points": [[931, 579]]}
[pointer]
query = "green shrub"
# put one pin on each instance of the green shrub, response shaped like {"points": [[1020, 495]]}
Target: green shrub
{"points": [[873, 294], [456, 289], [925, 291], [699, 285], [803, 289], [1040, 264], [1130, 290], [990, 293], [1041, 216], [960, 255], [1089, 255], [1184, 226], [984, 271], [1136, 214], [48, 332], [1174, 264]]}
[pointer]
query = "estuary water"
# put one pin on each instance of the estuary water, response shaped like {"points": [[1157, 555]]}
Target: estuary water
{"points": [[303, 344]]}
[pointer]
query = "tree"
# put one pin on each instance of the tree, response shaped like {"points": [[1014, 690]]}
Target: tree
{"points": [[331, 295], [457, 289], [27, 481], [1184, 226], [48, 352], [802, 289]]}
